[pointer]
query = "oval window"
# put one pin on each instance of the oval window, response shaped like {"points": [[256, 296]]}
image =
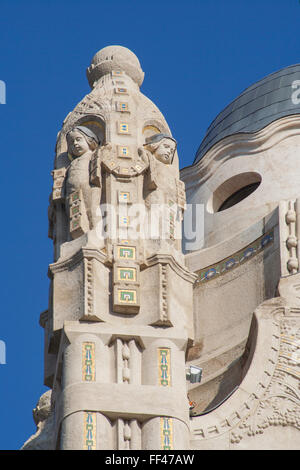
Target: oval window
{"points": [[233, 191]]}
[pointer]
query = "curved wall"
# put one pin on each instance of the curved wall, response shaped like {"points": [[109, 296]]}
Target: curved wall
{"points": [[270, 157], [225, 296]]}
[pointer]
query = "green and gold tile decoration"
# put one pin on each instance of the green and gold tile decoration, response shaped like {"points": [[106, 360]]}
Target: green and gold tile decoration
{"points": [[88, 362], [126, 252], [126, 279], [127, 296], [164, 367], [90, 431], [75, 196], [127, 274], [74, 210], [166, 433]]}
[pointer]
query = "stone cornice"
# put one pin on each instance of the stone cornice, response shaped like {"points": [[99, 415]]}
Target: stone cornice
{"points": [[75, 259], [182, 271], [120, 401]]}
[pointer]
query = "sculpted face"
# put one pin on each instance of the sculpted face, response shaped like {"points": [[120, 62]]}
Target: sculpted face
{"points": [[165, 151], [77, 143]]}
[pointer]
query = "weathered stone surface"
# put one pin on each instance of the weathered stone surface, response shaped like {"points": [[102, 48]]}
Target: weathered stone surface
{"points": [[130, 311], [43, 417]]}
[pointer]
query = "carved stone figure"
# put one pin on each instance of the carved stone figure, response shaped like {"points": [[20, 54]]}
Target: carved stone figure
{"points": [[159, 155], [163, 188], [82, 188], [44, 420]]}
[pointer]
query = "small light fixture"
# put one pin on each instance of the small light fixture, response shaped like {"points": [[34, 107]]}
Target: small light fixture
{"points": [[194, 374]]}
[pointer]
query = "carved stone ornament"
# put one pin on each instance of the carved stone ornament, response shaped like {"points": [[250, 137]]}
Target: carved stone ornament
{"points": [[112, 163], [280, 404], [44, 420]]}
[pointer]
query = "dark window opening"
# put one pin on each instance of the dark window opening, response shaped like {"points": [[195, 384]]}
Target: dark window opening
{"points": [[238, 196]]}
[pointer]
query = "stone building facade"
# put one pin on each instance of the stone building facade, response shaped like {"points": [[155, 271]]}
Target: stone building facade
{"points": [[154, 340]]}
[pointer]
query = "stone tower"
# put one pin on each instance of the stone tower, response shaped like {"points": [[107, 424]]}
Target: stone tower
{"points": [[120, 312], [131, 315]]}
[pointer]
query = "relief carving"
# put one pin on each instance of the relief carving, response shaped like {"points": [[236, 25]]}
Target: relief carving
{"points": [[280, 404], [78, 186]]}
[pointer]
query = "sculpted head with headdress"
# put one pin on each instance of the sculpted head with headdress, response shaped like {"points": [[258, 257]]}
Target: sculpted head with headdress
{"points": [[80, 140], [162, 146]]}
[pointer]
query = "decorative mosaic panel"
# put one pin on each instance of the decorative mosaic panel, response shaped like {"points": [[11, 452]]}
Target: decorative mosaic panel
{"points": [[75, 203], [75, 224], [126, 252], [123, 128], [164, 367], [74, 210], [127, 274], [121, 91], [124, 196], [123, 151], [122, 106], [166, 433], [117, 73], [124, 221], [232, 262], [88, 362], [126, 296], [75, 196], [89, 432]]}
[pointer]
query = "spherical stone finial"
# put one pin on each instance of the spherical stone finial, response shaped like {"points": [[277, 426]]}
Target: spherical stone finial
{"points": [[117, 58]]}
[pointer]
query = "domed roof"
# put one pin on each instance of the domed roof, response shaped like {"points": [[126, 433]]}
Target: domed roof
{"points": [[262, 103], [115, 58]]}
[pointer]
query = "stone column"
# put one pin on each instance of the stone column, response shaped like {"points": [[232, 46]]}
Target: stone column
{"points": [[86, 361], [164, 367]]}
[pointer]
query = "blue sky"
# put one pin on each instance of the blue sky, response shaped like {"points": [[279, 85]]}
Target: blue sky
{"points": [[197, 55]]}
